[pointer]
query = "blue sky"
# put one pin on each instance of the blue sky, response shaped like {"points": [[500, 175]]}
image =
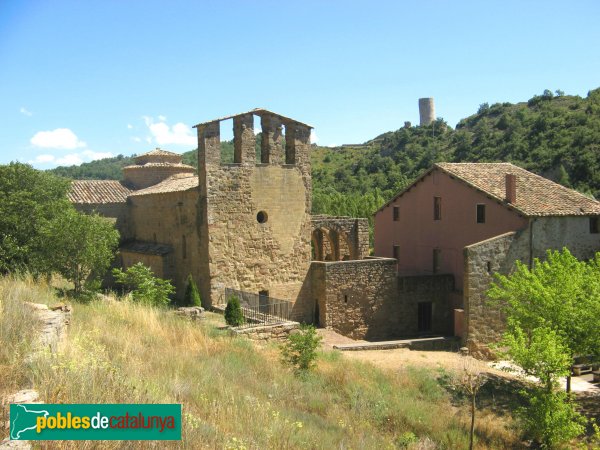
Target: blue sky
{"points": [[81, 80]]}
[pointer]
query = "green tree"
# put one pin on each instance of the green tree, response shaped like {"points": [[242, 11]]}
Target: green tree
{"points": [[143, 285], [29, 199], [560, 293], [300, 349], [192, 296], [80, 247], [233, 312]]}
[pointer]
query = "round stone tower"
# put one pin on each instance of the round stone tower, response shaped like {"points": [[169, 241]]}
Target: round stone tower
{"points": [[426, 110], [153, 167]]}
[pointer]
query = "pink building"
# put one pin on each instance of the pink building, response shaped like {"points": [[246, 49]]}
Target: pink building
{"points": [[427, 226]]}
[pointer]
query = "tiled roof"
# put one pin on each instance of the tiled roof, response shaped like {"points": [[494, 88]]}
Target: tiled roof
{"points": [[536, 195], [175, 183], [159, 152], [147, 248], [98, 191]]}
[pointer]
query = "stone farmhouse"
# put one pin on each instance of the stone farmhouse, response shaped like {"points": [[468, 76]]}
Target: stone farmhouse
{"points": [[247, 225], [469, 220]]}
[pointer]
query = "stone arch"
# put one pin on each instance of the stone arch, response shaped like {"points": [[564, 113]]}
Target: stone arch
{"points": [[325, 246]]}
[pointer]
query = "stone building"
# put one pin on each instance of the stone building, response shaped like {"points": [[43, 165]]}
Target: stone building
{"points": [[247, 225], [469, 220]]}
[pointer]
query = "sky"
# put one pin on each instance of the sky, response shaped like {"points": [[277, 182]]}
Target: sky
{"points": [[82, 80]]}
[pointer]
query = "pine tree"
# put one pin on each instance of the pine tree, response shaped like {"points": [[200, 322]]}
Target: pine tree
{"points": [[192, 296], [233, 312]]}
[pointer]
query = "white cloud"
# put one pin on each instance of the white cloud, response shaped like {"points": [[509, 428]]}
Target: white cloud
{"points": [[70, 159], [313, 137], [162, 118], [25, 112], [42, 159], [163, 134], [92, 155], [62, 138], [129, 126], [136, 139]]}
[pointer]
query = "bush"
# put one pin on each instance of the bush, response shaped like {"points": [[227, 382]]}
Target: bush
{"points": [[300, 350], [144, 286], [550, 419], [233, 312], [192, 296]]}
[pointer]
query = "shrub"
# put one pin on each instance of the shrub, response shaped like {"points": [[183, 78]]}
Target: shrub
{"points": [[300, 350], [192, 296], [233, 312], [550, 419], [144, 286]]}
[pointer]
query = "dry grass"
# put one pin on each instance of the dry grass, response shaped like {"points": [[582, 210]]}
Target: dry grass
{"points": [[236, 395]]}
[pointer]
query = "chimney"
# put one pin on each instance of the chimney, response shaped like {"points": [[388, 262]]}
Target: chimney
{"points": [[511, 188]]}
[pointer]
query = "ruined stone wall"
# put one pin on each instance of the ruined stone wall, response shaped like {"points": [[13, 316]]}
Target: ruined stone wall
{"points": [[169, 218], [244, 253], [350, 237]]}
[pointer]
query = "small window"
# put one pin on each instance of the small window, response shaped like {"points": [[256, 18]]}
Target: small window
{"points": [[345, 299], [437, 208], [489, 267], [396, 251], [262, 217], [480, 213], [594, 226], [396, 213], [437, 256]]}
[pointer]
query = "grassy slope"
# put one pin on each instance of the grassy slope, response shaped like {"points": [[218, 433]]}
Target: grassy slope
{"points": [[238, 395]]}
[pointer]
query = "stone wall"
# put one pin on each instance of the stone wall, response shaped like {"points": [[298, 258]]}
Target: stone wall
{"points": [[347, 238], [168, 218], [254, 219], [484, 320], [143, 176], [278, 332], [366, 300]]}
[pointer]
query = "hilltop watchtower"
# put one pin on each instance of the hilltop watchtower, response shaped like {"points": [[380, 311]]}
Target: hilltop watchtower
{"points": [[426, 111]]}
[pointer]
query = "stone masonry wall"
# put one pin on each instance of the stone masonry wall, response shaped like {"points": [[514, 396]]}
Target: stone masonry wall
{"points": [[242, 252], [366, 300], [484, 321], [168, 218], [117, 211]]}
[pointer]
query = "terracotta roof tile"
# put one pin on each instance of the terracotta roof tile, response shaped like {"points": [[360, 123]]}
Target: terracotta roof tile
{"points": [[536, 195], [175, 183], [97, 191]]}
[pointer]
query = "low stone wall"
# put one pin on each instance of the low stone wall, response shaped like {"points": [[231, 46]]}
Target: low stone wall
{"points": [[366, 299], [278, 332]]}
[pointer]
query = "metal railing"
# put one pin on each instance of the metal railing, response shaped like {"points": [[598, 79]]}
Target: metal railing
{"points": [[260, 309]]}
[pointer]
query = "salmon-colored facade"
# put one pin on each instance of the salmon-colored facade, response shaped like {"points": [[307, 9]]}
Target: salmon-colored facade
{"points": [[423, 241]]}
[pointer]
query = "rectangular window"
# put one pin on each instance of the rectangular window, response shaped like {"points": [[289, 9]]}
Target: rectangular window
{"points": [[437, 258], [594, 226], [396, 213], [437, 208], [396, 251], [480, 213]]}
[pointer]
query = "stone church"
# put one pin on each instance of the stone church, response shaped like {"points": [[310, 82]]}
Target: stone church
{"points": [[247, 225]]}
